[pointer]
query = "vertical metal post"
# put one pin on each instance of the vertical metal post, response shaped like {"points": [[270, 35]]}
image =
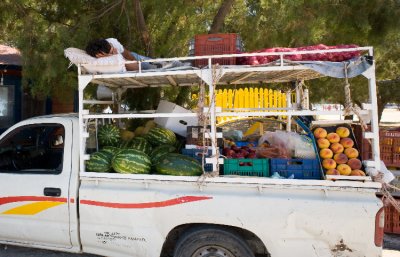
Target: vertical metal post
{"points": [[213, 125], [288, 106], [81, 87], [306, 100], [298, 96], [374, 115], [82, 83]]}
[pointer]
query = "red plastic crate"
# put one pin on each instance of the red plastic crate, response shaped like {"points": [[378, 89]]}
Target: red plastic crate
{"points": [[386, 148], [388, 228], [365, 149], [390, 133], [216, 44], [387, 158], [366, 155], [396, 146], [389, 145], [395, 221], [363, 144], [396, 159]]}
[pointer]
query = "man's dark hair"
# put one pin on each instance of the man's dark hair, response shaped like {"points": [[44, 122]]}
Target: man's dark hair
{"points": [[98, 46]]}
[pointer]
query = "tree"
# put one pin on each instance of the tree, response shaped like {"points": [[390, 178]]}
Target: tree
{"points": [[219, 18], [388, 93], [142, 28], [43, 29]]}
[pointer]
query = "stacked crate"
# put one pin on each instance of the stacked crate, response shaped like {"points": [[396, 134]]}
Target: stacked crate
{"points": [[389, 145], [198, 145], [392, 219], [216, 44]]}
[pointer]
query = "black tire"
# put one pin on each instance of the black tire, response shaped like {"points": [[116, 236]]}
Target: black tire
{"points": [[211, 241]]}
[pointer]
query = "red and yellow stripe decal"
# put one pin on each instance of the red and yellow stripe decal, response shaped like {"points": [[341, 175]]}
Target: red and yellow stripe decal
{"points": [[166, 203], [40, 203]]}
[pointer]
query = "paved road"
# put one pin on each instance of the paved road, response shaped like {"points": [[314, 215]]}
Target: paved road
{"points": [[391, 249], [14, 251]]}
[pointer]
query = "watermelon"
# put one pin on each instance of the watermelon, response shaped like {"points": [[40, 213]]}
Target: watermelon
{"points": [[124, 144], [140, 144], [108, 135], [99, 162], [131, 161], [160, 136], [111, 149], [160, 151], [178, 165]]}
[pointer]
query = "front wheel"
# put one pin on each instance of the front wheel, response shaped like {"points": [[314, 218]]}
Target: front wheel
{"points": [[211, 242]]}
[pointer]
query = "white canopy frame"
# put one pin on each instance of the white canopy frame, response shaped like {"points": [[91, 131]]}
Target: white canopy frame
{"points": [[280, 71]]}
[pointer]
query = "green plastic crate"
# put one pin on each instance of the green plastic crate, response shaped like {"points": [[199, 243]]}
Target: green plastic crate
{"points": [[247, 167]]}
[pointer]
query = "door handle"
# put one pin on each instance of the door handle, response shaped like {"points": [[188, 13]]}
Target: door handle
{"points": [[52, 191]]}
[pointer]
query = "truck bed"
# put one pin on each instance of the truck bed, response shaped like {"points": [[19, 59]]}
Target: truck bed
{"points": [[309, 217]]}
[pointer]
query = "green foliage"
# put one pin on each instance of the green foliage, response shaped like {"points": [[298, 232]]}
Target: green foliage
{"points": [[43, 29]]}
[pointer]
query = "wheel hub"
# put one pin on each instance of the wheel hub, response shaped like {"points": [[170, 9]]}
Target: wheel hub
{"points": [[212, 251]]}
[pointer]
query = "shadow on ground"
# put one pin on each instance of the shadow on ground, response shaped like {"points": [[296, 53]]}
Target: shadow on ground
{"points": [[391, 241], [15, 251]]}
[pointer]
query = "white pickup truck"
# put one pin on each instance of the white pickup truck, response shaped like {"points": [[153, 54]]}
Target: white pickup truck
{"points": [[48, 200]]}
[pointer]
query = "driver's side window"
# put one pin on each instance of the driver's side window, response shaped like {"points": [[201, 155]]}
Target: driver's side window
{"points": [[37, 149]]}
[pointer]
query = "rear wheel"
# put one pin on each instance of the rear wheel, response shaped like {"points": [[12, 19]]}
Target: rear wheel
{"points": [[211, 242]]}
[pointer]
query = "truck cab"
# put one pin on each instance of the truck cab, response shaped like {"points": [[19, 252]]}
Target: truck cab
{"points": [[39, 182]]}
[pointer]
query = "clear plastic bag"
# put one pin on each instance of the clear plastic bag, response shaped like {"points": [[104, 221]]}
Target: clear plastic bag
{"points": [[289, 144], [235, 135], [387, 174]]}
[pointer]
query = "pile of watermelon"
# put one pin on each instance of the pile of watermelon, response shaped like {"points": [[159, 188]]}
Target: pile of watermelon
{"points": [[150, 152], [331, 57]]}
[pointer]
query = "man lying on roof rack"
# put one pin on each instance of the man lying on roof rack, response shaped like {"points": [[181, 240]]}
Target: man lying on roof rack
{"points": [[105, 47]]}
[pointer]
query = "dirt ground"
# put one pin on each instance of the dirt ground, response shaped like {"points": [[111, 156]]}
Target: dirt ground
{"points": [[391, 245]]}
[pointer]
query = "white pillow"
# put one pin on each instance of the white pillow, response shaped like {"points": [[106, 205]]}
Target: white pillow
{"points": [[110, 64]]}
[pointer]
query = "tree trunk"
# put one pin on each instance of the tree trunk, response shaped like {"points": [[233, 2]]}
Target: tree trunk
{"points": [[381, 105], [387, 92], [143, 31], [218, 21]]}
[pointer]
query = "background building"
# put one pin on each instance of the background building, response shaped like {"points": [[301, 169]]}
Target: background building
{"points": [[10, 86]]}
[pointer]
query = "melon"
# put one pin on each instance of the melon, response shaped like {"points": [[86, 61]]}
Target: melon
{"points": [[160, 136], [158, 152], [178, 165], [99, 162], [108, 135], [140, 144], [131, 161]]}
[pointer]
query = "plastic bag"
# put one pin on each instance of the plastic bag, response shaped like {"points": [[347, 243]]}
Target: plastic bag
{"points": [[277, 176], [235, 135], [272, 152], [387, 174], [290, 143], [304, 148]]}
